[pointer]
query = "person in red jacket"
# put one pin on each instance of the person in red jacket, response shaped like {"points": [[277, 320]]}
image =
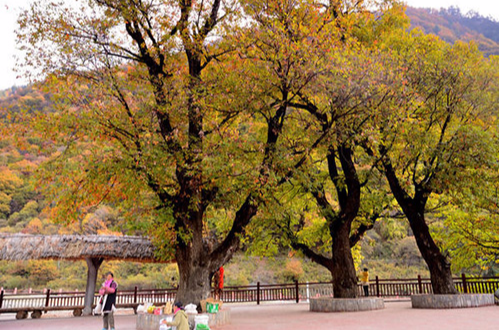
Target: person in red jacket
{"points": [[219, 283]]}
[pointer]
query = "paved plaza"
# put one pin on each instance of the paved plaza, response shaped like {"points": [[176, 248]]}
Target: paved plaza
{"points": [[287, 316]]}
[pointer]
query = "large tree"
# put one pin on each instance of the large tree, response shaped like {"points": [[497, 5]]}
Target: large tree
{"points": [[342, 180], [175, 115], [325, 217], [348, 194], [426, 139]]}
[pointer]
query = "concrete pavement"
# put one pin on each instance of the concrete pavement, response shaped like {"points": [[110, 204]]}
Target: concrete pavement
{"points": [[286, 316], [396, 315]]}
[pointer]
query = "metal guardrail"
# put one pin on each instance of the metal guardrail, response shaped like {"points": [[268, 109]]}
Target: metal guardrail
{"points": [[50, 301]]}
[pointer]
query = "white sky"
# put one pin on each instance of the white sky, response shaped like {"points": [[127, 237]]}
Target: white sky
{"points": [[9, 10], [8, 18]]}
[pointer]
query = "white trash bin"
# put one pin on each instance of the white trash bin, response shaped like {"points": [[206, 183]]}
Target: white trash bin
{"points": [[201, 319]]}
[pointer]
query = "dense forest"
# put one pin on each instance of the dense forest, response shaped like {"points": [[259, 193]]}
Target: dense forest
{"points": [[389, 248]]}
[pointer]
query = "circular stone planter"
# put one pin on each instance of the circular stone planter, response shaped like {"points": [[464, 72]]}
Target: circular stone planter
{"points": [[331, 305], [442, 301]]}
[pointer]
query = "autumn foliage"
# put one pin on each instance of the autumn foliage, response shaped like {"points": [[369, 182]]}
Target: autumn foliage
{"points": [[205, 125]]}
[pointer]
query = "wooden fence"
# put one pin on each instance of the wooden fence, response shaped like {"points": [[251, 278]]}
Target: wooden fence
{"points": [[37, 302]]}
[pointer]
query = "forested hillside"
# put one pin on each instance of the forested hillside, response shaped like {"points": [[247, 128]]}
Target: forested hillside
{"points": [[452, 25]]}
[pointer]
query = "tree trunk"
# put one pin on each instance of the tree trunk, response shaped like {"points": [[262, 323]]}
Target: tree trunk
{"points": [[440, 272], [195, 282], [93, 265], [198, 260], [343, 268], [414, 210]]}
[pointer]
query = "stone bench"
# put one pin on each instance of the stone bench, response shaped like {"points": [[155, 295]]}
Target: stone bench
{"points": [[330, 304], [443, 301], [147, 321]]}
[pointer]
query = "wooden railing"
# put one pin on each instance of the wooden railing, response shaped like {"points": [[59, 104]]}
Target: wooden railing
{"points": [[400, 287], [132, 298], [408, 287], [257, 293], [14, 303]]}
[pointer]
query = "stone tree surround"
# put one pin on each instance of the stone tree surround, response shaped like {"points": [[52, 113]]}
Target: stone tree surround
{"points": [[329, 304], [443, 301]]}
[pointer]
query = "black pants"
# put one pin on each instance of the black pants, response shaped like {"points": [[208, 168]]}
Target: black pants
{"points": [[366, 290]]}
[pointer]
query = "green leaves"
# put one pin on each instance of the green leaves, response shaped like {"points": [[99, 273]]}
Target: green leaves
{"points": [[175, 116]]}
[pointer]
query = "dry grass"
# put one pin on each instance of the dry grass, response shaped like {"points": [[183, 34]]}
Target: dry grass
{"points": [[75, 247]]}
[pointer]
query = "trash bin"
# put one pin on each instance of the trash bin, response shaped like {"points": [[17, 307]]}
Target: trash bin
{"points": [[201, 322]]}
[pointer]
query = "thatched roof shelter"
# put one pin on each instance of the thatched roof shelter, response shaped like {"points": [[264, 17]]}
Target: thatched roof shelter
{"points": [[76, 247]]}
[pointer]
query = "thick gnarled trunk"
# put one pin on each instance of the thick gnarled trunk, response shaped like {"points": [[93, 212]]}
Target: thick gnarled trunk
{"points": [[198, 259], [195, 282], [342, 267]]}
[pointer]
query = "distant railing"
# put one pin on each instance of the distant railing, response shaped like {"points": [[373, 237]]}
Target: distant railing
{"points": [[400, 287], [385, 288]]}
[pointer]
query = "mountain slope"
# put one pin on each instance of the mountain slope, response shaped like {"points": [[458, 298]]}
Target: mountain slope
{"points": [[451, 25]]}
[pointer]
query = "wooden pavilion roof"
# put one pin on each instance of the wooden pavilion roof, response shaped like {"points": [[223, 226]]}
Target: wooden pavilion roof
{"points": [[76, 247]]}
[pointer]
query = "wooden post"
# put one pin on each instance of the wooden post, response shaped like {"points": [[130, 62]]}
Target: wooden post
{"points": [[1, 298], [258, 293], [297, 292], [420, 284], [377, 287], [135, 295], [465, 285], [48, 298]]}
